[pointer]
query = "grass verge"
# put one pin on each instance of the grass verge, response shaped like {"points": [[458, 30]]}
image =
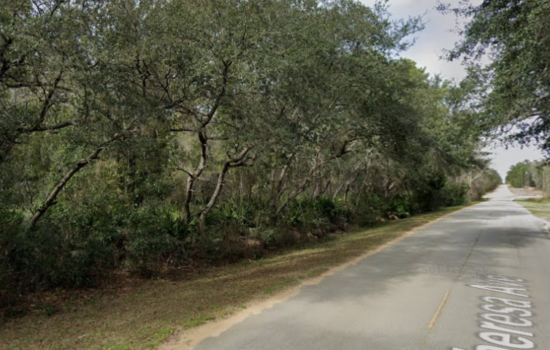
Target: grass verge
{"points": [[144, 316], [539, 207]]}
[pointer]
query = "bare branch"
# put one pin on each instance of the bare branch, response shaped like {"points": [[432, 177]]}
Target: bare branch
{"points": [[221, 94], [52, 197], [188, 173], [52, 127], [48, 101]]}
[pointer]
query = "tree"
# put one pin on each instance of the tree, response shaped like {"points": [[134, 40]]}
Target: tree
{"points": [[140, 135], [520, 175], [515, 86]]}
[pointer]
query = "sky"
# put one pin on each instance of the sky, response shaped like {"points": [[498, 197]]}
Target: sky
{"points": [[439, 34]]}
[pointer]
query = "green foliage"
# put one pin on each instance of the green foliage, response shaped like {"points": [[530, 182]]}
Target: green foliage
{"points": [[321, 213], [438, 192], [454, 195], [520, 175], [429, 195], [153, 239], [140, 136], [234, 214], [529, 174], [369, 209], [401, 207], [11, 224], [513, 88]]}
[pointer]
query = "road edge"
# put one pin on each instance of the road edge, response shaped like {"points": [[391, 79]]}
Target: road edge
{"points": [[188, 339]]}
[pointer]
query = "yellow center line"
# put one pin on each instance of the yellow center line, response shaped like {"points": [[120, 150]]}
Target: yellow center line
{"points": [[439, 309]]}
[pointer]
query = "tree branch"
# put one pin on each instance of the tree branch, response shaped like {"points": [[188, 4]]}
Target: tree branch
{"points": [[52, 197], [47, 102], [219, 98], [237, 161], [51, 127]]}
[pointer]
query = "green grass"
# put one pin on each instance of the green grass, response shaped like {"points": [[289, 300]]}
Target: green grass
{"points": [[145, 315], [538, 207]]}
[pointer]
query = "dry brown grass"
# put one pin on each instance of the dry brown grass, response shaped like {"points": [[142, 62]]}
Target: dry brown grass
{"points": [[143, 316]]}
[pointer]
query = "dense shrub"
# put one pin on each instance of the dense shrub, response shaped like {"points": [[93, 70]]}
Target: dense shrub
{"points": [[80, 249], [438, 192], [454, 194], [321, 213], [401, 207], [10, 227]]}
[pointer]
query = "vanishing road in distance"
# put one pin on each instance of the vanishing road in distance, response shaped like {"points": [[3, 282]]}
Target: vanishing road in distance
{"points": [[478, 279]]}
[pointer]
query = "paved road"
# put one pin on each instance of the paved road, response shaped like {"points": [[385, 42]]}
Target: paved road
{"points": [[479, 279]]}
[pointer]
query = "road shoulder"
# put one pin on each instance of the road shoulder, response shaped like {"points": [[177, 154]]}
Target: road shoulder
{"points": [[185, 311]]}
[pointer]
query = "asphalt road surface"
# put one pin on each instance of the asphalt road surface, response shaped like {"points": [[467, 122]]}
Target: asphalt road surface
{"points": [[478, 279]]}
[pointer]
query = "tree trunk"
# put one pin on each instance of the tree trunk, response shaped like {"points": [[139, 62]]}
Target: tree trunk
{"points": [[346, 193], [324, 190], [203, 138], [239, 160], [300, 190], [193, 177], [303, 186], [278, 188], [51, 200]]}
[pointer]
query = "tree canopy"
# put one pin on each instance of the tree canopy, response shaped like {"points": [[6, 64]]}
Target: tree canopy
{"points": [[145, 135], [513, 89]]}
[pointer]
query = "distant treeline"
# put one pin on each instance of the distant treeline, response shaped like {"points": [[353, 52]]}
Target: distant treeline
{"points": [[529, 174], [146, 135]]}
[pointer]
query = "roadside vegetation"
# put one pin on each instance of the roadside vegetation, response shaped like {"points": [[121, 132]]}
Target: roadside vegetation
{"points": [[143, 314], [528, 174], [539, 207], [143, 137], [531, 179], [505, 46]]}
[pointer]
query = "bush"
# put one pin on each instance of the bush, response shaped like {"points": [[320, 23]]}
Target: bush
{"points": [[454, 194], [52, 256], [307, 214], [77, 244], [78, 248], [154, 237], [400, 207], [147, 251], [369, 208], [10, 227]]}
